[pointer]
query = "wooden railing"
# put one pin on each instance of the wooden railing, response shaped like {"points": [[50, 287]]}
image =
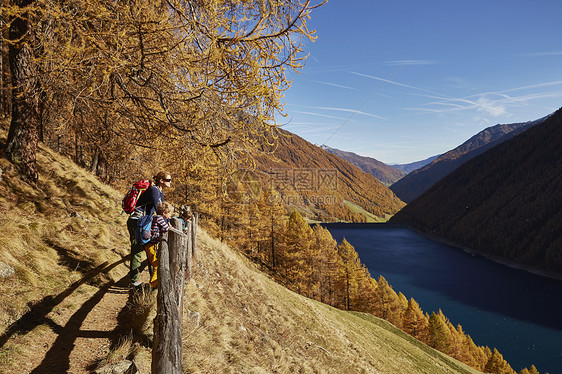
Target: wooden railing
{"points": [[175, 258]]}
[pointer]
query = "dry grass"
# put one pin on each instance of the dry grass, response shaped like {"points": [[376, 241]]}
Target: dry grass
{"points": [[236, 319], [122, 351], [249, 324], [55, 233]]}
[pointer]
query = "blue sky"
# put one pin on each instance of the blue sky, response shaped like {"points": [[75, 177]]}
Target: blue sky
{"points": [[402, 80]]}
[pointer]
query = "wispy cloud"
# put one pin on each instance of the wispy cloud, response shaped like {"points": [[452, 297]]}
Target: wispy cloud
{"points": [[410, 62], [335, 85], [354, 111], [388, 81], [320, 115], [320, 129], [491, 103], [530, 87], [540, 54]]}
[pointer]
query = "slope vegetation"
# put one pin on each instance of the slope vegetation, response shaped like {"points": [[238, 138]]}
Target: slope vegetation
{"points": [[386, 174], [420, 180], [293, 153], [249, 323], [65, 242], [505, 203]]}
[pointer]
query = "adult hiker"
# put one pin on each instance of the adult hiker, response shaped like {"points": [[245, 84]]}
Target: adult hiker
{"points": [[146, 205]]}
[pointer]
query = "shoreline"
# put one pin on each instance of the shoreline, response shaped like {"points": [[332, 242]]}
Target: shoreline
{"points": [[468, 250]]}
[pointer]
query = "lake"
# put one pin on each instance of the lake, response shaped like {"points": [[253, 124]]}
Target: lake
{"points": [[517, 312]]}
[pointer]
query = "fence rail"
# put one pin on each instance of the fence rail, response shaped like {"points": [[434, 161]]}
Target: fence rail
{"points": [[175, 257]]}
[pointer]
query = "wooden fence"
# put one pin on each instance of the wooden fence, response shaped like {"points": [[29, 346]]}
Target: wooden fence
{"points": [[175, 259]]}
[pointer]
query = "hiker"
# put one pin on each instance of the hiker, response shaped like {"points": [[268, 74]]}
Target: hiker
{"points": [[146, 205], [160, 225], [185, 216]]}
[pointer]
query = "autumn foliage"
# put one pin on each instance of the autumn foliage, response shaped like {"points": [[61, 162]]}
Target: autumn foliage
{"points": [[310, 262]]}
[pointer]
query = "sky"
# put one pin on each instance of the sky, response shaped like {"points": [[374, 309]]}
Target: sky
{"points": [[403, 80]]}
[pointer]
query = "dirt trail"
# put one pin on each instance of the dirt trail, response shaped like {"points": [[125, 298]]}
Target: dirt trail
{"points": [[71, 332]]}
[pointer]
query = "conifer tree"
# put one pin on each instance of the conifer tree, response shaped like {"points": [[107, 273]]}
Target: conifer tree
{"points": [[350, 260], [532, 370], [331, 281], [297, 247], [415, 322], [478, 358], [390, 306], [497, 365], [439, 333], [367, 291]]}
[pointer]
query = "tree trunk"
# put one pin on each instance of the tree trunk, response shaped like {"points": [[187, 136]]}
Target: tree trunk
{"points": [[4, 90], [23, 136], [94, 164]]}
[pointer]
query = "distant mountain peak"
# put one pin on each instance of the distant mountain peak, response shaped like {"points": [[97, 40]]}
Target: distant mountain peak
{"points": [[420, 180]]}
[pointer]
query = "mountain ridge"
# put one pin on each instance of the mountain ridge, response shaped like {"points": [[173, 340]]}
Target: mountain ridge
{"points": [[386, 174], [506, 202], [420, 180]]}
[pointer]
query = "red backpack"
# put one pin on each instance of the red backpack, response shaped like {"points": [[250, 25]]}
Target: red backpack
{"points": [[129, 202]]}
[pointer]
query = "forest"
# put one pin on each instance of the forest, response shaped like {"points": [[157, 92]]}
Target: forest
{"points": [[127, 88], [505, 203]]}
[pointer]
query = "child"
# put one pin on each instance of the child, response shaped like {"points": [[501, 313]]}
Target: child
{"points": [[164, 211], [185, 216]]}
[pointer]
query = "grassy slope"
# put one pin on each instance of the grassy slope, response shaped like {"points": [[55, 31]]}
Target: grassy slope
{"points": [[56, 233], [251, 324], [248, 323]]}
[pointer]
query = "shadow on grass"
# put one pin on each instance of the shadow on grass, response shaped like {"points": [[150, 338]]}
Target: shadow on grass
{"points": [[37, 314]]}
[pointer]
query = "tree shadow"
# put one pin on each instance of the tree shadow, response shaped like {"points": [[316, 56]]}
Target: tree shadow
{"points": [[37, 314], [57, 359], [70, 259]]}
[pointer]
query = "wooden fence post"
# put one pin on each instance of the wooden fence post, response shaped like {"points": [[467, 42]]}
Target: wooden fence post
{"points": [[167, 345], [195, 221]]}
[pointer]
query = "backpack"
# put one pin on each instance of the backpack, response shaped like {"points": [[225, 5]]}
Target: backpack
{"points": [[142, 231], [130, 199]]}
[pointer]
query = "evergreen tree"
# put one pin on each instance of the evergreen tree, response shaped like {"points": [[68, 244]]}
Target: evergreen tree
{"points": [[497, 365], [532, 370], [415, 322], [390, 306], [297, 250], [350, 260], [439, 333]]}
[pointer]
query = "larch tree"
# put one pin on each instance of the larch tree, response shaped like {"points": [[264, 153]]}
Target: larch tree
{"points": [[390, 307], [497, 365], [298, 244], [330, 279], [439, 333], [208, 74], [415, 322], [23, 137]]}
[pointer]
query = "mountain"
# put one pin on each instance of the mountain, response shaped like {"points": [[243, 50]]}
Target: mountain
{"points": [[65, 303], [383, 172], [408, 168], [420, 180], [353, 196], [505, 203]]}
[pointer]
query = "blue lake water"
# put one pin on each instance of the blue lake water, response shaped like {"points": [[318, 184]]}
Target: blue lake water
{"points": [[517, 312]]}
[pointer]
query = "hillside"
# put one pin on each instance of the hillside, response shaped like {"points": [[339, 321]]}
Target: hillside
{"points": [[354, 196], [387, 175], [505, 203], [420, 180], [65, 301]]}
